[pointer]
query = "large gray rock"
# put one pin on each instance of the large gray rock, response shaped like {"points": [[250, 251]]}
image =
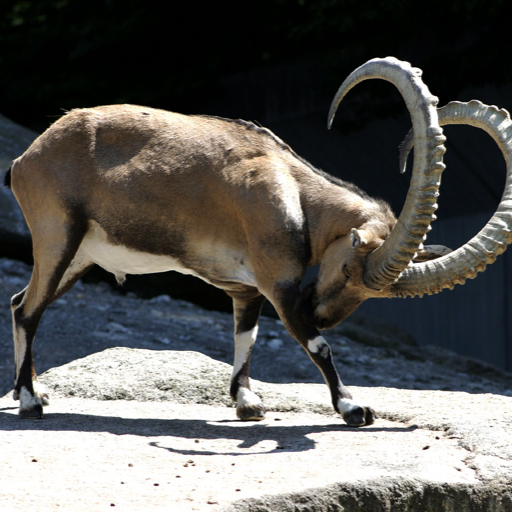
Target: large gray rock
{"points": [[182, 377], [154, 430], [14, 140]]}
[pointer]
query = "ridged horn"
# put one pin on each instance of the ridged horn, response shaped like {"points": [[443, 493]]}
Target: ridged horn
{"points": [[386, 263], [466, 261]]}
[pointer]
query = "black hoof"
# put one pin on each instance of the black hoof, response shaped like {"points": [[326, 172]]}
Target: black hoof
{"points": [[251, 413], [360, 416], [370, 416], [33, 413]]}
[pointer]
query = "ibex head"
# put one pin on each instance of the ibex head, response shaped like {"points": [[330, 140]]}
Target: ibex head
{"points": [[385, 257], [340, 287]]}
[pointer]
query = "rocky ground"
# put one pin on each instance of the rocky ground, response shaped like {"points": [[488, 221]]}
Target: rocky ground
{"points": [[144, 430], [93, 316]]}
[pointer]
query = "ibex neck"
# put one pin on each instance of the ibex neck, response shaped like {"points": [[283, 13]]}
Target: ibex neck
{"points": [[332, 211]]}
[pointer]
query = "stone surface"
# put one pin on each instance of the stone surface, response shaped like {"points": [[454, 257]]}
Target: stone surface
{"points": [[178, 446]]}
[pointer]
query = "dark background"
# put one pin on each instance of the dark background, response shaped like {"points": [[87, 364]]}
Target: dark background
{"points": [[62, 54], [276, 62], [280, 63]]}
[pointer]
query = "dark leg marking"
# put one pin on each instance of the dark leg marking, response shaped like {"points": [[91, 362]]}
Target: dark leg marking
{"points": [[355, 415], [296, 314], [246, 313]]}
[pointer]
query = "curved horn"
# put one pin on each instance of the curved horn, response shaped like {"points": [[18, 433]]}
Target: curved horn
{"points": [[464, 263], [386, 263]]}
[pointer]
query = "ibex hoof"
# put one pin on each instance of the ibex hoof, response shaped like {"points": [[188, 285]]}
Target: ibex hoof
{"points": [[35, 412], [251, 412], [354, 414], [359, 416], [249, 406], [31, 406]]}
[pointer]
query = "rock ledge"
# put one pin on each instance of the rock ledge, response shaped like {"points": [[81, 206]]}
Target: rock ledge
{"points": [[144, 429]]}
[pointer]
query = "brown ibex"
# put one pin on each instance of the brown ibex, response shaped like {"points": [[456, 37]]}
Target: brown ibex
{"points": [[137, 190]]}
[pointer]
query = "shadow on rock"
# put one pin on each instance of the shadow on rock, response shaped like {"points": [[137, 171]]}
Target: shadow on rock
{"points": [[287, 438]]}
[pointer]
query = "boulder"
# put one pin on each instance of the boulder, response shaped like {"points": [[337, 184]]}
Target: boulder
{"points": [[14, 140], [150, 430]]}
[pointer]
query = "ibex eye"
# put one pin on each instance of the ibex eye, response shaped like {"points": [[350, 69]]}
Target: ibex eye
{"points": [[346, 271]]}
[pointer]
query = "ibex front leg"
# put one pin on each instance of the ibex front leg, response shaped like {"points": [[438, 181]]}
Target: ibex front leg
{"points": [[246, 313], [295, 313]]}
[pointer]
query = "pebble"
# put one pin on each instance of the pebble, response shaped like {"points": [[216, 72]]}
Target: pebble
{"points": [[115, 327], [275, 344], [161, 299]]}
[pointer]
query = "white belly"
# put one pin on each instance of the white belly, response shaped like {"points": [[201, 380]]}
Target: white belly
{"points": [[121, 260]]}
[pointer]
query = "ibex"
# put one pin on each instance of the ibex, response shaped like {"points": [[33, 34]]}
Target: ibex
{"points": [[137, 190]]}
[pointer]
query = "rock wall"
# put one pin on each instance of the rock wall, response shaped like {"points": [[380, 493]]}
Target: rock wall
{"points": [[14, 140]]}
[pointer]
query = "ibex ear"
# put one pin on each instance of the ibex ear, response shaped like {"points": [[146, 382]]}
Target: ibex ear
{"points": [[358, 238]]}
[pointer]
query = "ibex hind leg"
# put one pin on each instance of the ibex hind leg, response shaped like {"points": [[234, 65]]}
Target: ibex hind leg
{"points": [[51, 277], [249, 406]]}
